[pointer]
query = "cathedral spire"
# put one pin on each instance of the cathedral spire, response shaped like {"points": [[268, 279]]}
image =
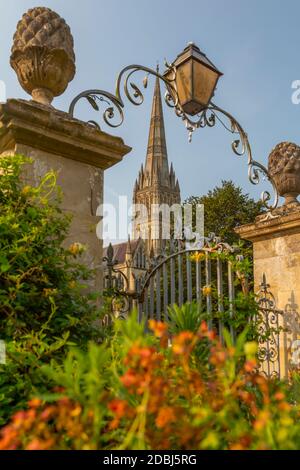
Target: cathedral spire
{"points": [[157, 183], [157, 157]]}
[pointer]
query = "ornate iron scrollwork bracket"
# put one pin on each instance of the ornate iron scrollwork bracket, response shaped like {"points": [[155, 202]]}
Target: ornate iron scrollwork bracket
{"points": [[117, 290], [240, 146], [113, 116]]}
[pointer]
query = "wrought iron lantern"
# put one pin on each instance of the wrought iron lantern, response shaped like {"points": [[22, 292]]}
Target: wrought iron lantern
{"points": [[196, 79]]}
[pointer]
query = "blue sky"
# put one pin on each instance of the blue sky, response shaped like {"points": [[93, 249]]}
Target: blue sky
{"points": [[255, 43]]}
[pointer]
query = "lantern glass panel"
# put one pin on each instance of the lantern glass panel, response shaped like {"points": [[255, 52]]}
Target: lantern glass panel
{"points": [[204, 83], [184, 83]]}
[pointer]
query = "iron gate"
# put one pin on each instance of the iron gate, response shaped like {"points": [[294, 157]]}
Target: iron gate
{"points": [[205, 273], [190, 274]]}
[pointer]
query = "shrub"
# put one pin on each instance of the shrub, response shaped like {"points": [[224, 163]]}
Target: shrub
{"points": [[36, 271], [42, 306]]}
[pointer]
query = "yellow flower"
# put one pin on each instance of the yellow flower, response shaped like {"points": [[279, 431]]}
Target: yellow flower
{"points": [[49, 292], [286, 421], [76, 248], [282, 434], [250, 348], [198, 256], [26, 190], [207, 290], [211, 441]]}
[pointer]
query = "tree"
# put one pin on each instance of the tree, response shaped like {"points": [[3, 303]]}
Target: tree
{"points": [[225, 208]]}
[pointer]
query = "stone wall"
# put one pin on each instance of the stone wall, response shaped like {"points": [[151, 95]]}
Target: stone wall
{"points": [[276, 249]]}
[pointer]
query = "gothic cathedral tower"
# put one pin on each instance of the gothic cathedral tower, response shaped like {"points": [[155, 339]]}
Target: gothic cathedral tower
{"points": [[156, 182]]}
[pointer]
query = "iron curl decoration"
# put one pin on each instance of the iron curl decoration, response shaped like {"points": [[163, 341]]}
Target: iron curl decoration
{"points": [[240, 145], [117, 285], [113, 116], [115, 103], [112, 278], [269, 330], [94, 95]]}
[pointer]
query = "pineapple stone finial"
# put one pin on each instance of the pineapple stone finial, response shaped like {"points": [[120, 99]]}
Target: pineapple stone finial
{"points": [[42, 54]]}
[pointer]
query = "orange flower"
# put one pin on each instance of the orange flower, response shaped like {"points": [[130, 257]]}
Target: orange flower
{"points": [[64, 401], [129, 379], [19, 418], [262, 420], [185, 336], [37, 444], [165, 416], [158, 327], [47, 413], [145, 353], [143, 356], [35, 403], [236, 446], [203, 327], [114, 424], [250, 365], [284, 406], [118, 407], [245, 396], [218, 357], [279, 396], [182, 342], [211, 335]]}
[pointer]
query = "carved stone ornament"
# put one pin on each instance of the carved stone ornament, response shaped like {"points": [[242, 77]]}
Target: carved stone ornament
{"points": [[284, 168], [43, 54]]}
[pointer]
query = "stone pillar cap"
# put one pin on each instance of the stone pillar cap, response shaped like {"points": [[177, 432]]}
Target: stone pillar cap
{"points": [[284, 220], [47, 129]]}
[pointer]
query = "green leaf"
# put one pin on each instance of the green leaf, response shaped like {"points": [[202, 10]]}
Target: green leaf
{"points": [[92, 102]]}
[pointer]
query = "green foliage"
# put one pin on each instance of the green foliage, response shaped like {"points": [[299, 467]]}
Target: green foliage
{"points": [[185, 318], [136, 390], [43, 309], [240, 317], [156, 395], [84, 373], [225, 208], [36, 270]]}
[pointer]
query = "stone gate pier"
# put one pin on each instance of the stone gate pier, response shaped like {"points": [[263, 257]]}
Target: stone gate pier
{"points": [[44, 60], [276, 251]]}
